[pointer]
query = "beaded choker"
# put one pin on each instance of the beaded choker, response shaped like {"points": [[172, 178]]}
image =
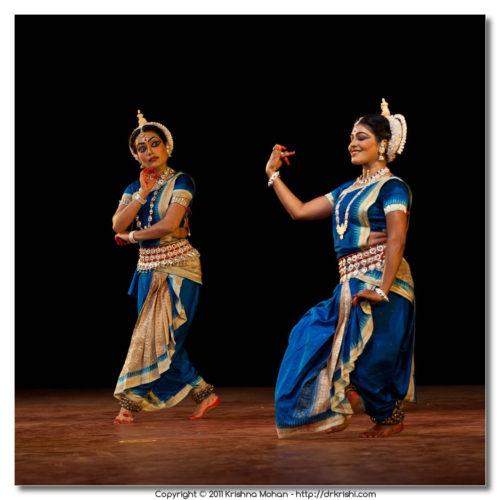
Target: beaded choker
{"points": [[376, 175]]}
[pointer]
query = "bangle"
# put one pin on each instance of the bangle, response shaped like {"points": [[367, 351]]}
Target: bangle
{"points": [[273, 178], [131, 237], [381, 293], [137, 197]]}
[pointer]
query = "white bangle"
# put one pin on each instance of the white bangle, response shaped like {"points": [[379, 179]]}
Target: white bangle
{"points": [[137, 197], [381, 293], [131, 237], [273, 178]]}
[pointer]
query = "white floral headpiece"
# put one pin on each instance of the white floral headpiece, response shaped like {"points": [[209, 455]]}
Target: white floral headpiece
{"points": [[168, 135], [398, 132]]}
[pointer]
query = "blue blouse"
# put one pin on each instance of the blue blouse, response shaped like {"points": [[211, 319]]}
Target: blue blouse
{"points": [[183, 187], [368, 207]]}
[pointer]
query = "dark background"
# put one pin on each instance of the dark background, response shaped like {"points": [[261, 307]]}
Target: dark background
{"points": [[229, 88]]}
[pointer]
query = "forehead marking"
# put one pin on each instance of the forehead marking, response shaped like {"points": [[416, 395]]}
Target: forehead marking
{"points": [[142, 136]]}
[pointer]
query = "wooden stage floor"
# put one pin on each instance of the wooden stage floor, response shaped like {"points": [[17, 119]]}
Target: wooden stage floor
{"points": [[67, 438]]}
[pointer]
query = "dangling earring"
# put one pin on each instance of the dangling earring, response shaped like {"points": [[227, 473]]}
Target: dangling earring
{"points": [[381, 151]]}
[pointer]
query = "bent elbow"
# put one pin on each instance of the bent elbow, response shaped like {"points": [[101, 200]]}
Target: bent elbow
{"points": [[301, 216], [117, 227], [297, 215], [301, 212]]}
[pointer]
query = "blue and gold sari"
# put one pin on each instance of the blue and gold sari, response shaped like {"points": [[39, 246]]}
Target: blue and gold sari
{"points": [[157, 372], [335, 344]]}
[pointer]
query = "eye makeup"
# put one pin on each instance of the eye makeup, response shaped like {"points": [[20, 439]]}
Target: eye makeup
{"points": [[360, 136], [153, 140]]}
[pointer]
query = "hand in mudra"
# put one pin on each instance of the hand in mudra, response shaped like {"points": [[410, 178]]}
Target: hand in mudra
{"points": [[148, 178], [122, 238], [369, 295], [277, 157]]}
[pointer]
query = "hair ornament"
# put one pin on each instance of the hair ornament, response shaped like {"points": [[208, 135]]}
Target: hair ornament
{"points": [[140, 118], [398, 131], [142, 121]]}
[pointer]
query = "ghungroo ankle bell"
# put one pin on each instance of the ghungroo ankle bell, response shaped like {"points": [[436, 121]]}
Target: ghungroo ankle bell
{"points": [[396, 418], [129, 404], [199, 394]]}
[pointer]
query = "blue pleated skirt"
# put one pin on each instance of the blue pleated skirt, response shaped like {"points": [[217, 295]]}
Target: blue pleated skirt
{"points": [[173, 384], [374, 351]]}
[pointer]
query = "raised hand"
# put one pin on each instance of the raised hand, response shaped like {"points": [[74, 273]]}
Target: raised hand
{"points": [[148, 178], [278, 155]]}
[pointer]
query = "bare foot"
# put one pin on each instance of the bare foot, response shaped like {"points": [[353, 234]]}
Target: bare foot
{"points": [[380, 431], [206, 405], [338, 428], [124, 417]]}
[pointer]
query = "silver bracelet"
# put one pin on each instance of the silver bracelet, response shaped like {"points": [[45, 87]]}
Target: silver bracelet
{"points": [[137, 197], [273, 178], [381, 293], [131, 237]]}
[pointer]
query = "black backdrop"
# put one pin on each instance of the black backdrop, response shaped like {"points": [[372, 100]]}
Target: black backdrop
{"points": [[229, 88]]}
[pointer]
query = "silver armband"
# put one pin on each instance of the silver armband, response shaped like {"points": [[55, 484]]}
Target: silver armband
{"points": [[181, 201]]}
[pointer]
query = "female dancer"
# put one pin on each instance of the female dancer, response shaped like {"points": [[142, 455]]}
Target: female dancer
{"points": [[157, 372], [356, 347]]}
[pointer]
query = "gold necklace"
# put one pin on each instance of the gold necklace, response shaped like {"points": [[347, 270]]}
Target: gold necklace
{"points": [[342, 228]]}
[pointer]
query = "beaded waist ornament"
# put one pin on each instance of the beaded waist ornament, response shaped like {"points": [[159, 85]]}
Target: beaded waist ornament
{"points": [[171, 254], [361, 262]]}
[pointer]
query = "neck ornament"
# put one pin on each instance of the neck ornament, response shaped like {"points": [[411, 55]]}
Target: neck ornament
{"points": [[342, 228], [168, 172], [376, 175]]}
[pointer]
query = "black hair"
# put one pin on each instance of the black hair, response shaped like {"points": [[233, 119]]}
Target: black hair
{"points": [[146, 128], [378, 124]]}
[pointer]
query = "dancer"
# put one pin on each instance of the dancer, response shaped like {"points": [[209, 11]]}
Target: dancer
{"points": [[355, 348], [157, 372]]}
